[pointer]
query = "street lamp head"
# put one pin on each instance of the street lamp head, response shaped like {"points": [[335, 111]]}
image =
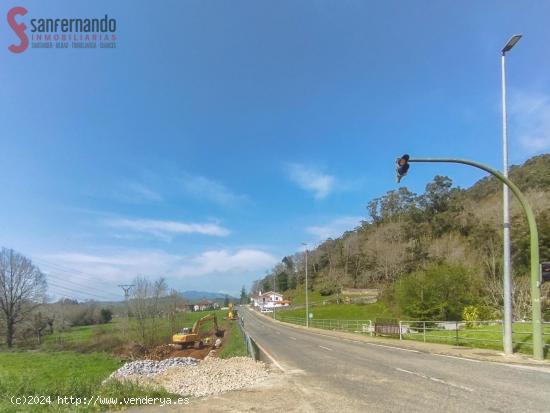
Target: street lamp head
{"points": [[511, 43]]}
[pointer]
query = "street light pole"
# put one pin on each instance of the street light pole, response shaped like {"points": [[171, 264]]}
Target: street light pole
{"points": [[307, 302], [507, 267], [538, 343]]}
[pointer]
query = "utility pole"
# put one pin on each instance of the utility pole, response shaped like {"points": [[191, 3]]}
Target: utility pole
{"points": [[62, 321], [307, 302], [126, 288], [507, 267], [536, 321]]}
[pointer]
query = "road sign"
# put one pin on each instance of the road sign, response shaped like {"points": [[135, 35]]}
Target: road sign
{"points": [[310, 315]]}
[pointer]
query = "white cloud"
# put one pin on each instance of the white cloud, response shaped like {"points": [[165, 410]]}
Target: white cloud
{"points": [[134, 192], [530, 121], [221, 261], [311, 180], [334, 228], [205, 188], [165, 228], [116, 267], [143, 192]]}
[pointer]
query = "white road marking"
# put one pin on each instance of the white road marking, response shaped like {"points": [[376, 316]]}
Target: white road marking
{"points": [[270, 357], [292, 338], [458, 386], [522, 367], [393, 348], [326, 348], [456, 357]]}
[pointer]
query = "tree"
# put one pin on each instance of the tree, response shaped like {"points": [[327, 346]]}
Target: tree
{"points": [[39, 324], [106, 315], [244, 296], [438, 293], [226, 300], [282, 281], [145, 305], [437, 195], [22, 288], [174, 303]]}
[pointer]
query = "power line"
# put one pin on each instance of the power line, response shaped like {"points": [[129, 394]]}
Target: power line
{"points": [[70, 271], [73, 283], [103, 298], [63, 268]]}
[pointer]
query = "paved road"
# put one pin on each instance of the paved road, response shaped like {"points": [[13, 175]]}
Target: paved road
{"points": [[368, 377]]}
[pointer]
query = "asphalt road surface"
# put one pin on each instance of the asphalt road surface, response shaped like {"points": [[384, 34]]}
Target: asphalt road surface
{"points": [[335, 373]]}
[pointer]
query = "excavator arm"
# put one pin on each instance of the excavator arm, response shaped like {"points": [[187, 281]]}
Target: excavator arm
{"points": [[194, 335]]}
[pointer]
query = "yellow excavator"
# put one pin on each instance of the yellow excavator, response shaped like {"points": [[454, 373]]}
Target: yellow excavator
{"points": [[191, 337], [232, 314]]}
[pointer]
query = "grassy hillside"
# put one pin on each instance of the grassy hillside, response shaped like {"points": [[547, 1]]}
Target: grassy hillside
{"points": [[342, 312]]}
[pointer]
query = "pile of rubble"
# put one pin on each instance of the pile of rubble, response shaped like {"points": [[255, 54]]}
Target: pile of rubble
{"points": [[187, 376], [148, 368], [212, 376]]}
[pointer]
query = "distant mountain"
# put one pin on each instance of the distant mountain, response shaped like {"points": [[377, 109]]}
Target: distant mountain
{"points": [[198, 295]]}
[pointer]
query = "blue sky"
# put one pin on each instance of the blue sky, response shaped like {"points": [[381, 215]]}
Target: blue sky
{"points": [[219, 135]]}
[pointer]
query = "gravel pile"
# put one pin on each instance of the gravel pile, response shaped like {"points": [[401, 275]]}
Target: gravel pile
{"points": [[149, 368], [211, 376]]}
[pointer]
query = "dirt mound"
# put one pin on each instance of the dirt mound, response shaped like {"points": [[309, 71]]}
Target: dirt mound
{"points": [[132, 351], [166, 351], [161, 352], [136, 351]]}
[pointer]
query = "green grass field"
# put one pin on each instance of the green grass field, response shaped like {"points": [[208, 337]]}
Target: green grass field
{"points": [[62, 374], [341, 312], [484, 336], [332, 316], [298, 297], [107, 337], [53, 373], [235, 346]]}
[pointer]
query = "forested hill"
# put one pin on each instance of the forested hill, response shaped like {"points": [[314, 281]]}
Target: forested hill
{"points": [[409, 234], [532, 175]]}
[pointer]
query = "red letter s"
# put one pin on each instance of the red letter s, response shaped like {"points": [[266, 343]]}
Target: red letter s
{"points": [[19, 29]]}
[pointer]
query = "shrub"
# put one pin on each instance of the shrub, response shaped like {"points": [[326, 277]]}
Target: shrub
{"points": [[106, 315], [440, 292]]}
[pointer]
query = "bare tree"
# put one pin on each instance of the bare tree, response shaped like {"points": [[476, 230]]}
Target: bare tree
{"points": [[39, 324], [174, 304], [139, 304], [22, 288], [146, 306]]}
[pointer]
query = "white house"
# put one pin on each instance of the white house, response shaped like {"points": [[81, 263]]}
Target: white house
{"points": [[269, 300]]}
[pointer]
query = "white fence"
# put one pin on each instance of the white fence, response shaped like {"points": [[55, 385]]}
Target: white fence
{"points": [[484, 334], [352, 326]]}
